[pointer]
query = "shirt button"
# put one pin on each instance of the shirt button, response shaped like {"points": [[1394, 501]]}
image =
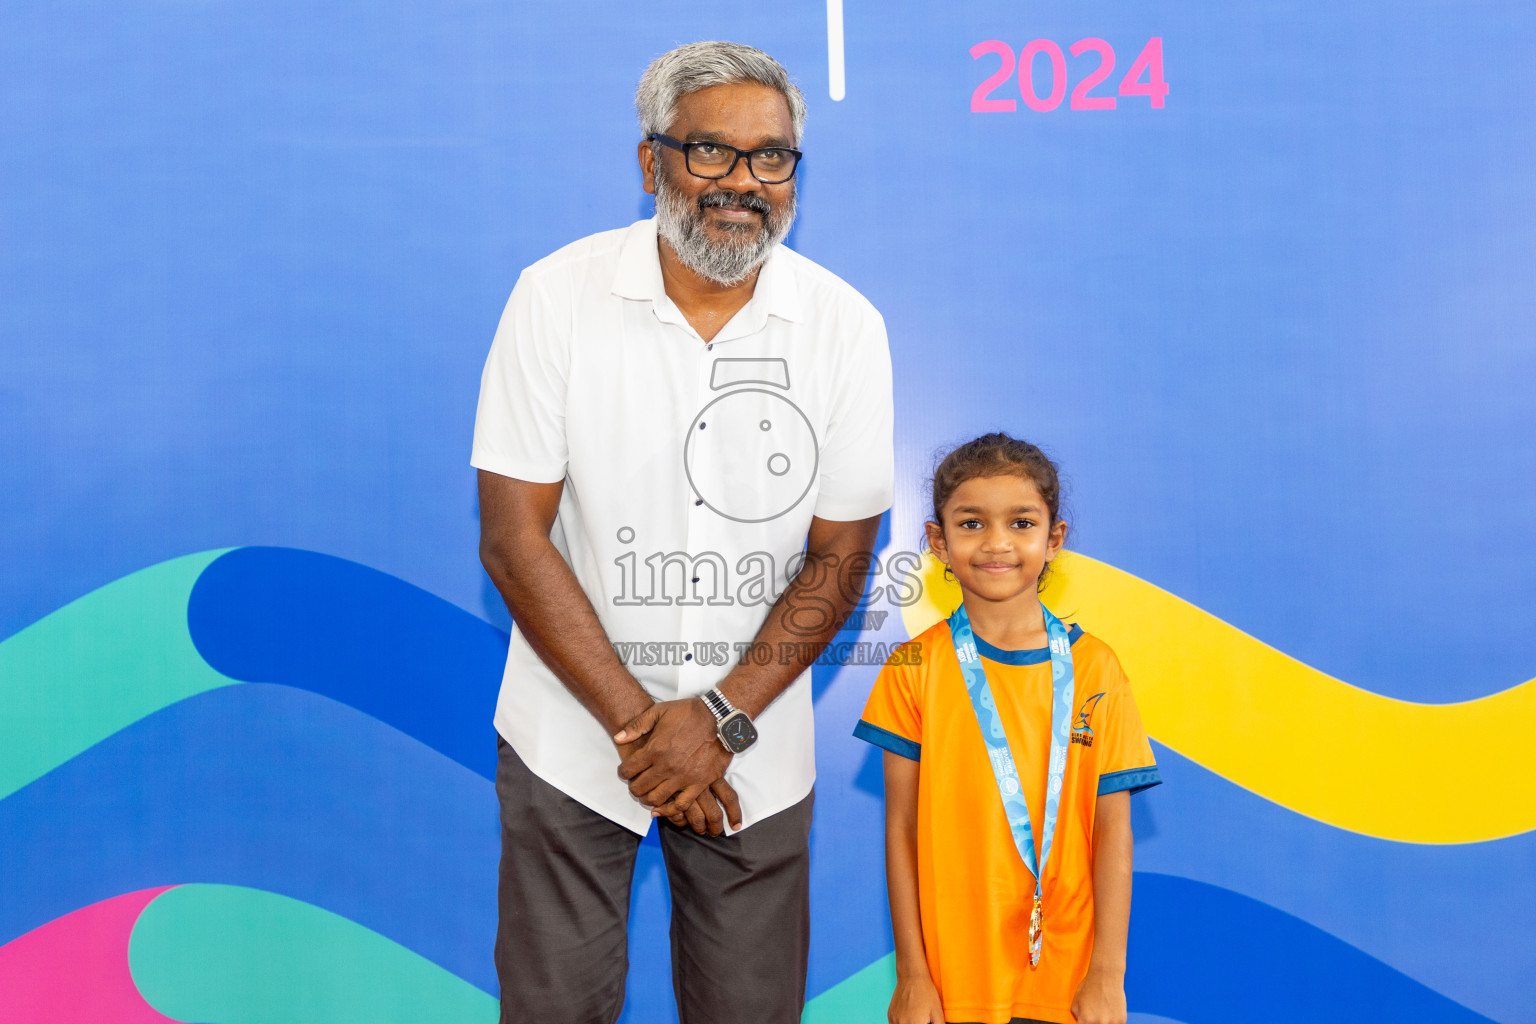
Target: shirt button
{"points": [[695, 579], [702, 425], [699, 501], [687, 657]]}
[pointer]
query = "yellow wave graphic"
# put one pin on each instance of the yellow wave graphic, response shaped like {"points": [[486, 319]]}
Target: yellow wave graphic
{"points": [[1394, 769]]}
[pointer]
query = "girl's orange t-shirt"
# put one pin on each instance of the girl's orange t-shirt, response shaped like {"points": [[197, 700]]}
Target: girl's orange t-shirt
{"points": [[974, 892]]}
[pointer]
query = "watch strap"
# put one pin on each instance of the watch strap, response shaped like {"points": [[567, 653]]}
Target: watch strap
{"points": [[717, 704]]}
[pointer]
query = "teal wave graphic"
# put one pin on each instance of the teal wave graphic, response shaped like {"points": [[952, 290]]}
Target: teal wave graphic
{"points": [[97, 665], [226, 954]]}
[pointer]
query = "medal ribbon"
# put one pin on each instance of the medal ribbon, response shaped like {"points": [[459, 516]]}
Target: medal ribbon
{"points": [[1009, 786]]}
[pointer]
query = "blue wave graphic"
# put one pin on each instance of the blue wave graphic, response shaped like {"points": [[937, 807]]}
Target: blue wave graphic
{"points": [[410, 659], [272, 788], [367, 639], [1456, 918], [1203, 955], [328, 796]]}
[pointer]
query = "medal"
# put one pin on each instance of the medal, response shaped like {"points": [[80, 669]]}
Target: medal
{"points": [[1009, 786], [1036, 930]]}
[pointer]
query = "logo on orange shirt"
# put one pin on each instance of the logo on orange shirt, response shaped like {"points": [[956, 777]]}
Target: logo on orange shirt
{"points": [[1082, 732]]}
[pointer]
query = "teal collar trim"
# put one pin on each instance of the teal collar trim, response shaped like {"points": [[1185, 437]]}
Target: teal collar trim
{"points": [[1038, 656]]}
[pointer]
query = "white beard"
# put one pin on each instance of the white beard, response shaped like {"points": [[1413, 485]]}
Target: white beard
{"points": [[680, 221]]}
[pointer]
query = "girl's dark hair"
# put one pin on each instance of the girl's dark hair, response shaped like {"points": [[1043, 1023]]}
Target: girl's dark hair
{"points": [[997, 454]]}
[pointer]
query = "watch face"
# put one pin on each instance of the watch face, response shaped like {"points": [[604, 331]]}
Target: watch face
{"points": [[738, 732]]}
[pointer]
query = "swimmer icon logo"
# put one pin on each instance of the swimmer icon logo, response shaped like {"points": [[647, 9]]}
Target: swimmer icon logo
{"points": [[751, 454]]}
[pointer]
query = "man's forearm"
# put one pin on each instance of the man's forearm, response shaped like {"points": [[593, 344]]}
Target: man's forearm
{"points": [[559, 623], [808, 614]]}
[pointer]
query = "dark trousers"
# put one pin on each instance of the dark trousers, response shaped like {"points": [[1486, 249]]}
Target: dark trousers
{"points": [[740, 911]]}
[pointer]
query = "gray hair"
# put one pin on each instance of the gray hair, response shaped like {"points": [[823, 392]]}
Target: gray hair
{"points": [[700, 65]]}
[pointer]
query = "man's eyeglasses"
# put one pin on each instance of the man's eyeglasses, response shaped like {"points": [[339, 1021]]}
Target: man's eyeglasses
{"points": [[772, 165]]}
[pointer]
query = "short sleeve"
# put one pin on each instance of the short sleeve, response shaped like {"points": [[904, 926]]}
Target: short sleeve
{"points": [[520, 422], [893, 717], [858, 455], [1125, 758]]}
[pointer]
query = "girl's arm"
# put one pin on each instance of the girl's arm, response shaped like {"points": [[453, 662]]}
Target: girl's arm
{"points": [[917, 999], [1101, 996]]}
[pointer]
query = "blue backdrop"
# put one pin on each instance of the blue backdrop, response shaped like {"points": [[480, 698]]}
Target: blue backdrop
{"points": [[1278, 330]]}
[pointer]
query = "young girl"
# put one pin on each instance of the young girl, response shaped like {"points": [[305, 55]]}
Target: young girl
{"points": [[1010, 741]]}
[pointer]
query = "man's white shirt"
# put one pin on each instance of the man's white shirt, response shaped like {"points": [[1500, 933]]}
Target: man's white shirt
{"points": [[682, 461]]}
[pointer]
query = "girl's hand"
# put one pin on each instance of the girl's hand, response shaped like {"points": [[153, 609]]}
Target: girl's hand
{"points": [[916, 1002], [1100, 998]]}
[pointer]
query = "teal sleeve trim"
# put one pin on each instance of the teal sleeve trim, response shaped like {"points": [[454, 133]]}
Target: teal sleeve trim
{"points": [[1133, 779], [888, 740]]}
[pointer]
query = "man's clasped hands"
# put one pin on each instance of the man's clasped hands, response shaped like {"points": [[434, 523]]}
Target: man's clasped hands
{"points": [[675, 764]]}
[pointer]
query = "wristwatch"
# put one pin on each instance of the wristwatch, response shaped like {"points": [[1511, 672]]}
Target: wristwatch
{"points": [[734, 727]]}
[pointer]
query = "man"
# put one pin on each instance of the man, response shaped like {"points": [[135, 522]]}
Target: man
{"points": [[684, 445]]}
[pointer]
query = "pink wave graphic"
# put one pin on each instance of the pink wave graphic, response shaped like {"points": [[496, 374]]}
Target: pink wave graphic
{"points": [[74, 969]]}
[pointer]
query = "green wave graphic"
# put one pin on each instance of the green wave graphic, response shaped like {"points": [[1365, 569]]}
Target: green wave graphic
{"points": [[226, 954], [97, 665], [860, 998]]}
